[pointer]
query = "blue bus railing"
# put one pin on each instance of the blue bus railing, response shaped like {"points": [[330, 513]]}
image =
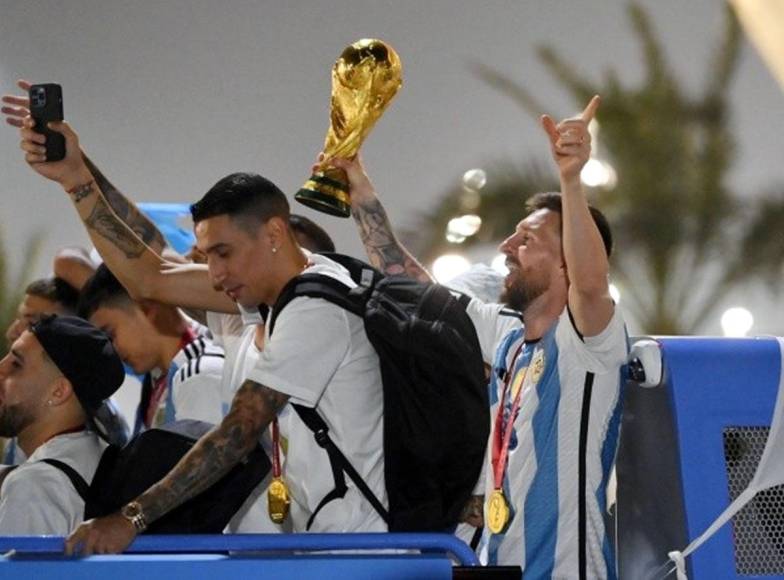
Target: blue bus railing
{"points": [[179, 544]]}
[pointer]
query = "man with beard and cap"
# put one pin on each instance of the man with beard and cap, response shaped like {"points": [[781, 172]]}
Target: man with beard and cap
{"points": [[47, 296], [556, 378], [52, 382]]}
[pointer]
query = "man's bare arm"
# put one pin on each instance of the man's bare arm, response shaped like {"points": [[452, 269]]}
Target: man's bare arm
{"points": [[135, 264], [584, 253], [120, 233], [383, 248], [126, 210], [19, 109], [253, 409]]}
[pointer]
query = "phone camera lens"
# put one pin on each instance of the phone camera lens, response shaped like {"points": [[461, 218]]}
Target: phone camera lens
{"points": [[38, 97]]}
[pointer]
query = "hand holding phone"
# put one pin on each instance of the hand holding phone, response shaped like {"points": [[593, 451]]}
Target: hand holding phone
{"points": [[46, 106]]}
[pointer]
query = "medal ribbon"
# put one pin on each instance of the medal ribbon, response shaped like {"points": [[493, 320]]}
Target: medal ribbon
{"points": [[502, 433], [275, 449], [159, 387]]}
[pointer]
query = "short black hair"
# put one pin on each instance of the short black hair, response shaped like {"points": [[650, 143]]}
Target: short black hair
{"points": [[316, 238], [247, 198], [552, 201], [55, 290], [102, 289]]}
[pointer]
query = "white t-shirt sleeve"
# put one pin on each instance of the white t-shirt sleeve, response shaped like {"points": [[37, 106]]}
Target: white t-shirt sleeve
{"points": [[39, 500], [197, 390], [310, 341], [492, 323], [599, 354]]}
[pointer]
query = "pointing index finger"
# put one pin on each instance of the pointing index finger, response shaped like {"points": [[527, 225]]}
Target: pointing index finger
{"points": [[590, 111]]}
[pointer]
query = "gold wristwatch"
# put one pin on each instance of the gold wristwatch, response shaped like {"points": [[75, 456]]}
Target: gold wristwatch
{"points": [[133, 513]]}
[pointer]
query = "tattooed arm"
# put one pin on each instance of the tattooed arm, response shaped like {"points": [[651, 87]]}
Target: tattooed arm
{"points": [[136, 265], [18, 108], [253, 409], [126, 210], [384, 250]]}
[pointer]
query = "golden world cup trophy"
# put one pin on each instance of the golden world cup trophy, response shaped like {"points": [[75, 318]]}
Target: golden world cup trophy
{"points": [[364, 80]]}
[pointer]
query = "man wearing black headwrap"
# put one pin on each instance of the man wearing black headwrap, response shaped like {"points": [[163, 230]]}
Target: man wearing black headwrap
{"points": [[52, 383]]}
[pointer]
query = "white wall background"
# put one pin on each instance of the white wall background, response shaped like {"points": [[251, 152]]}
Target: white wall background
{"points": [[169, 96]]}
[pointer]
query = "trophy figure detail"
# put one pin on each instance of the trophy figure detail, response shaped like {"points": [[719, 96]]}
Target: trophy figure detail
{"points": [[364, 80]]}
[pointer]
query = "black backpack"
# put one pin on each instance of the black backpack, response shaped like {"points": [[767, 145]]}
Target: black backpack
{"points": [[436, 412], [124, 473]]}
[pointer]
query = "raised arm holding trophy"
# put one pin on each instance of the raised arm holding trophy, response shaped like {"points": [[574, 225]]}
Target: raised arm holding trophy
{"points": [[364, 80]]}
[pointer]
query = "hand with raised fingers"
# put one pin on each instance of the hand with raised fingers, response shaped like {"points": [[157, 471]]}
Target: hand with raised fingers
{"points": [[106, 535], [570, 141], [17, 107], [71, 171]]}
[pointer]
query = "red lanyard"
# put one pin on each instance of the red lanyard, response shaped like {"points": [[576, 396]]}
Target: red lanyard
{"points": [[502, 434], [160, 384], [158, 389], [275, 448]]}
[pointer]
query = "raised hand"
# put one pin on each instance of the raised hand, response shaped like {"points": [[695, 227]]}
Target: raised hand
{"points": [[360, 187], [570, 141], [17, 107], [71, 171]]}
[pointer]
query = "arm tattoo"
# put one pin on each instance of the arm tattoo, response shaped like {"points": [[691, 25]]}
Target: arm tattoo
{"points": [[105, 223], [126, 210], [81, 191], [254, 407], [383, 249]]}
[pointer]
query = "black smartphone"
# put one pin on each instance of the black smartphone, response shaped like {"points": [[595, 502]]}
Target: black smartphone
{"points": [[46, 105]]}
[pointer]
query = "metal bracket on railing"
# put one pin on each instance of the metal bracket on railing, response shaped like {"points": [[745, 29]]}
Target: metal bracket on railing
{"points": [[645, 363]]}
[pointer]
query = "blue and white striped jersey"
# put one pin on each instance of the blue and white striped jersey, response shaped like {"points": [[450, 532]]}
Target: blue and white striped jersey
{"points": [[562, 448], [193, 384]]}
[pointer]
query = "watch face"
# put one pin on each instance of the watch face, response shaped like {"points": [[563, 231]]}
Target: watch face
{"points": [[131, 510]]}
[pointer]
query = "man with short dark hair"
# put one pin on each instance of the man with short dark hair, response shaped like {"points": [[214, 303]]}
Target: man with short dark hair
{"points": [[181, 367], [319, 356], [52, 382], [41, 297], [132, 252]]}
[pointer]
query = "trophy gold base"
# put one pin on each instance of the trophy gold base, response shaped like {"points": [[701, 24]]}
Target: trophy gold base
{"points": [[325, 194]]}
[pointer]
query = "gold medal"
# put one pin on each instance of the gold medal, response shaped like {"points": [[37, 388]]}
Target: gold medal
{"points": [[278, 500], [497, 512], [537, 366]]}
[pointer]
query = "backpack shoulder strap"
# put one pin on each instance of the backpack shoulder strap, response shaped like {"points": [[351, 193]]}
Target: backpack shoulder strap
{"points": [[315, 423], [355, 266], [328, 288], [316, 286], [80, 485]]}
